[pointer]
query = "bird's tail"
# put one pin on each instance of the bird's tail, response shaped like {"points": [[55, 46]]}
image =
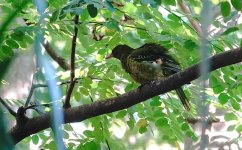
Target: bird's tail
{"points": [[183, 98]]}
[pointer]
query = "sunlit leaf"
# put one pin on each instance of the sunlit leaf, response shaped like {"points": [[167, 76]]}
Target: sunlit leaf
{"points": [[121, 114], [235, 104], [230, 116], [35, 139], [239, 128], [225, 8], [223, 98]]}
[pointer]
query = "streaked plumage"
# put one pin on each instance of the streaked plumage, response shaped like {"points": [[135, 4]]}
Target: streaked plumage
{"points": [[148, 63]]}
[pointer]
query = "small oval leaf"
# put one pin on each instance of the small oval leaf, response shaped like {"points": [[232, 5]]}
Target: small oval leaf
{"points": [[92, 10], [223, 98], [230, 116], [161, 122], [225, 8]]}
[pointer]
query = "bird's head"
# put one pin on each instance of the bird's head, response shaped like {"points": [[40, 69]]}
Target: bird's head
{"points": [[120, 52]]}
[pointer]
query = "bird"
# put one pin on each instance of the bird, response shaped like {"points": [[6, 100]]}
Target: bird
{"points": [[148, 63]]}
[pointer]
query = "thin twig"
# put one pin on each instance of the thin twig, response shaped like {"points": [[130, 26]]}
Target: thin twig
{"points": [[12, 112], [73, 51], [30, 92]]}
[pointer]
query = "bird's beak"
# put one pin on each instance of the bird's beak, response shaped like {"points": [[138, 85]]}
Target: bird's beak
{"points": [[109, 56]]}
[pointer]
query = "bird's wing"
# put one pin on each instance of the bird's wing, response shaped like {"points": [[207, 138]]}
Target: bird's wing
{"points": [[156, 54]]}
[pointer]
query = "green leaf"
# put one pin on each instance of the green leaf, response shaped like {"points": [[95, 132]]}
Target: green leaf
{"points": [[12, 43], [155, 101], [235, 104], [88, 133], [185, 126], [112, 24], [213, 81], [169, 2], [55, 15], [131, 40], [56, 3], [229, 30], [99, 57], [121, 114], [51, 145], [28, 39], [142, 123], [230, 116], [147, 15], [68, 127], [11, 16], [84, 15], [223, 98], [173, 17], [7, 50], [109, 6], [84, 91], [158, 2], [114, 40], [231, 128], [225, 8], [90, 145], [17, 35], [144, 2], [189, 44], [218, 89], [142, 130], [35, 139], [239, 128], [130, 123], [161, 122], [237, 4], [92, 10], [66, 135], [143, 34]]}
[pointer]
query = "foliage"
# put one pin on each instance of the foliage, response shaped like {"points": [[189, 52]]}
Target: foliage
{"points": [[102, 26]]}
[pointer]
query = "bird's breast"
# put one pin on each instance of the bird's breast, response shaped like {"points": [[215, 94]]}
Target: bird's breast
{"points": [[143, 72]]}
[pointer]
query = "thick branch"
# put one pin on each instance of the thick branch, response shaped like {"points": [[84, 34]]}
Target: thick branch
{"points": [[80, 113]]}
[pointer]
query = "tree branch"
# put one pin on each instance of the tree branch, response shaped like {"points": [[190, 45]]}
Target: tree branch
{"points": [[10, 110], [193, 22], [73, 51], [49, 49], [60, 60], [80, 113]]}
